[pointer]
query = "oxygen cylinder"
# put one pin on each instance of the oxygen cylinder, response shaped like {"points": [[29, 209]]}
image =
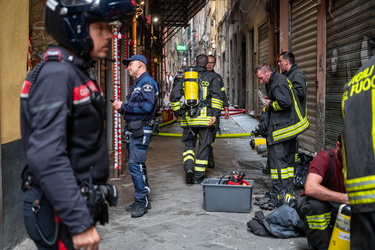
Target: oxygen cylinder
{"points": [[340, 238], [261, 148], [191, 87], [257, 141]]}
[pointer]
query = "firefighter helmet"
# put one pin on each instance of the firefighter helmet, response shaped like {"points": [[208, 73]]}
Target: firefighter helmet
{"points": [[67, 21]]}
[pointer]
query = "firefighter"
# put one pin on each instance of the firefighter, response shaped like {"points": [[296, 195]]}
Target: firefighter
{"points": [[359, 157], [285, 123], [290, 69], [139, 112], [324, 192], [210, 67], [63, 130], [199, 119]]}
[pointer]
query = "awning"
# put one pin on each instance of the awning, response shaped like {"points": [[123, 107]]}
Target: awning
{"points": [[174, 15]]}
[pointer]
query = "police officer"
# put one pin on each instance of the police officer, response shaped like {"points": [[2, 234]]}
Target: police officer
{"points": [[359, 158], [139, 112], [62, 125], [285, 124], [202, 121], [210, 67]]}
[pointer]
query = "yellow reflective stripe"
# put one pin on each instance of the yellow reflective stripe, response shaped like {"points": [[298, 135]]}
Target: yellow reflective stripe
{"points": [[175, 106], [360, 183], [362, 197], [200, 169], [202, 162], [294, 100], [197, 121], [274, 174], [205, 89], [189, 152], [285, 173], [290, 172], [216, 103], [222, 89], [319, 222], [291, 130], [276, 106], [373, 118], [294, 129], [189, 157]]}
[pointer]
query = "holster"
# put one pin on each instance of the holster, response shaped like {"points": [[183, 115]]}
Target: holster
{"points": [[136, 128]]}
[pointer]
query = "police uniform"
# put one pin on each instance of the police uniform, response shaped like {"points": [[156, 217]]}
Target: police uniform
{"points": [[139, 112], [285, 124], [359, 157], [62, 125], [210, 105]]}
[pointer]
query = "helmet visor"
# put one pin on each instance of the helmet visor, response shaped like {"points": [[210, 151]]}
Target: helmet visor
{"points": [[70, 3]]}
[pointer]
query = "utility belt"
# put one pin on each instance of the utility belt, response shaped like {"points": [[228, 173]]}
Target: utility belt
{"points": [[38, 210], [135, 128]]}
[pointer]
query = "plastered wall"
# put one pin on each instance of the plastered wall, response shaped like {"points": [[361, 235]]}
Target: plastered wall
{"points": [[14, 29]]}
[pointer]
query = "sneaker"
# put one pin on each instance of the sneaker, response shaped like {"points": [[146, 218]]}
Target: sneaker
{"points": [[139, 211], [132, 207], [189, 177]]}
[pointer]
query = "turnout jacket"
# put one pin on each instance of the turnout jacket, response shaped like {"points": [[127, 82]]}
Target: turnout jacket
{"points": [[298, 80], [210, 100], [358, 110], [62, 126], [285, 117], [141, 102], [223, 93]]}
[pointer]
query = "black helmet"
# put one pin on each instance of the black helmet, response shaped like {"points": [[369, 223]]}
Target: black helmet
{"points": [[67, 21]]}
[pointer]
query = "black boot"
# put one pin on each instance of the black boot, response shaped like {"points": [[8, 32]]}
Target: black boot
{"points": [[199, 177]]}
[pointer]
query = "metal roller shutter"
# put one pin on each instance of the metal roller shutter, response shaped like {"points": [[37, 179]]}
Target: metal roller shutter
{"points": [[304, 47], [350, 42], [263, 48]]}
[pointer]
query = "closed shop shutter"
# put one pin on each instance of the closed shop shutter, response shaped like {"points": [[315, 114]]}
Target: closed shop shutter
{"points": [[350, 42], [263, 48], [304, 47]]}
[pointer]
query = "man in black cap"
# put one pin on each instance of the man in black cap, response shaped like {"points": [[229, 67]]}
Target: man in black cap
{"points": [[139, 112]]}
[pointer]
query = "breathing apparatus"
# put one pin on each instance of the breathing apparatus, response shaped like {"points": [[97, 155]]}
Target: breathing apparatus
{"points": [[191, 91]]}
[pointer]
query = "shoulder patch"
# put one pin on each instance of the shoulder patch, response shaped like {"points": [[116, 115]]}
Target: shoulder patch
{"points": [[219, 79], [147, 88]]}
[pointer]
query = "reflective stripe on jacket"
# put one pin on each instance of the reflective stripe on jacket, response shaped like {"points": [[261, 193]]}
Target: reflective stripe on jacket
{"points": [[286, 120], [358, 107]]}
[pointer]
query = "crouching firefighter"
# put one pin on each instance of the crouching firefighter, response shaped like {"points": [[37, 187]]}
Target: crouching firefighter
{"points": [[198, 115], [62, 125]]}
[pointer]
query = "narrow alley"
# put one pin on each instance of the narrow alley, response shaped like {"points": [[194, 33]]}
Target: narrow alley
{"points": [[177, 219]]}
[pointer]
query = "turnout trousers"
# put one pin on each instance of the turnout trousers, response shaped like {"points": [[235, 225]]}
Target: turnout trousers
{"points": [[318, 218], [362, 231], [281, 163], [137, 157], [206, 138]]}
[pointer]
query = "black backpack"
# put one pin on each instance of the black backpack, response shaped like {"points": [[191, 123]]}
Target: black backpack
{"points": [[302, 168]]}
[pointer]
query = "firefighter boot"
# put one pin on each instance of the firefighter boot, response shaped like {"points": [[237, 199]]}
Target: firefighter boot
{"points": [[199, 177], [189, 173]]}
